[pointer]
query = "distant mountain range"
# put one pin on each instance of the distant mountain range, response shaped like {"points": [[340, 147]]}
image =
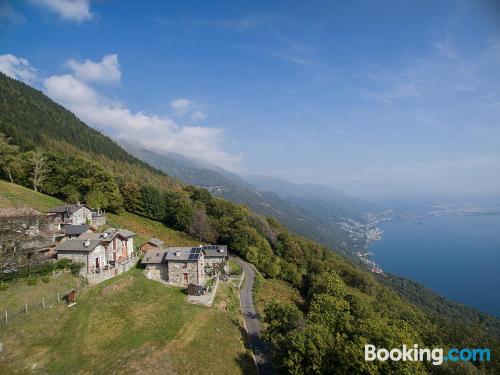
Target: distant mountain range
{"points": [[323, 213]]}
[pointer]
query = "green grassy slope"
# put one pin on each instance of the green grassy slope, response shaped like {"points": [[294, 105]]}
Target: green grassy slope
{"points": [[126, 325], [12, 195]]}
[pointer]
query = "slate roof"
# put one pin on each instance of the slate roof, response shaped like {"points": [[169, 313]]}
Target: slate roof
{"points": [[72, 230], [125, 233], [215, 250], [156, 242], [186, 254], [77, 245], [154, 256], [98, 236], [69, 208]]}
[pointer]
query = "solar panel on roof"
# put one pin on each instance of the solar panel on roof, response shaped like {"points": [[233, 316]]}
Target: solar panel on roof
{"points": [[193, 256]]}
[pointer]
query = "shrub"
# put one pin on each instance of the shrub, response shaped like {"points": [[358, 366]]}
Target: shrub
{"points": [[4, 286], [31, 281], [75, 268], [45, 279], [63, 263]]}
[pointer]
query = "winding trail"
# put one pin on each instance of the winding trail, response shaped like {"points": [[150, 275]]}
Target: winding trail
{"points": [[252, 323]]}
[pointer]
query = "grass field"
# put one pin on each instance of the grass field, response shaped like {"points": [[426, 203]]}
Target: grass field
{"points": [[12, 195], [126, 325]]}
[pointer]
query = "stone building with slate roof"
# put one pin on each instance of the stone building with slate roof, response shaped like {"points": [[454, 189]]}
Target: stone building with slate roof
{"points": [[119, 243], [75, 214], [91, 253], [183, 265], [215, 254]]}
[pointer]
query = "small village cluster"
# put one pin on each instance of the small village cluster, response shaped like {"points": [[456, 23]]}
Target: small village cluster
{"points": [[71, 233]]}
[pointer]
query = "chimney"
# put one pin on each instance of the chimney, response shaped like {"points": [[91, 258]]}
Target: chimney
{"points": [[86, 243], [177, 253], [105, 235]]}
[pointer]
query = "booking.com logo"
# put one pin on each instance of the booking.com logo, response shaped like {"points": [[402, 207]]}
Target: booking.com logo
{"points": [[436, 355]]}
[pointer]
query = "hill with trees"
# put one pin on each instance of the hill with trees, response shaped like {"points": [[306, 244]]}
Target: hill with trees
{"points": [[345, 306], [317, 212]]}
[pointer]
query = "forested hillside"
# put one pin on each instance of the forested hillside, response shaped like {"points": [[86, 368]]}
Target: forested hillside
{"points": [[320, 217], [345, 308], [33, 121]]}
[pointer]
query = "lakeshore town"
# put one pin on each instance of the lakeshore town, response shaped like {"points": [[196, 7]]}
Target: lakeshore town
{"points": [[70, 231]]}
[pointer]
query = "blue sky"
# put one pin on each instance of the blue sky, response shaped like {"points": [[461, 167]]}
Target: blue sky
{"points": [[379, 98]]}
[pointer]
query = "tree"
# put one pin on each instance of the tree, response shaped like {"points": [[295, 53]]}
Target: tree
{"points": [[281, 318], [8, 156], [97, 199], [38, 169], [131, 193], [179, 210], [200, 227], [152, 204]]}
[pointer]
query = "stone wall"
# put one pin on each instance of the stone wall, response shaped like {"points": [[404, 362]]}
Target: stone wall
{"points": [[81, 216], [80, 257], [98, 220], [95, 278], [156, 271], [195, 272]]}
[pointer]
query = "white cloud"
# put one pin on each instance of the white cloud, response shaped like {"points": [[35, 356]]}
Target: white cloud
{"points": [[17, 67], [198, 116], [107, 70], [71, 10], [181, 106], [149, 131]]}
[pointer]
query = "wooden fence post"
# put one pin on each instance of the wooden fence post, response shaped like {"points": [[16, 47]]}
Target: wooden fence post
{"points": [[26, 307], [43, 302], [6, 317], [58, 299]]}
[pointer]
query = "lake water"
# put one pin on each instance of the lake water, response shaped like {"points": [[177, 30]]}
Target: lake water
{"points": [[456, 256]]}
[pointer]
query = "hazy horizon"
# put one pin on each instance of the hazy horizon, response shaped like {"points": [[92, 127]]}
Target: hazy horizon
{"points": [[377, 99]]}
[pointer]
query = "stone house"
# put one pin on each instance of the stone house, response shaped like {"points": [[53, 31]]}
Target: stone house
{"points": [[91, 253], [75, 214], [185, 266], [153, 243], [156, 266], [215, 255], [176, 265], [118, 243], [104, 255]]}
